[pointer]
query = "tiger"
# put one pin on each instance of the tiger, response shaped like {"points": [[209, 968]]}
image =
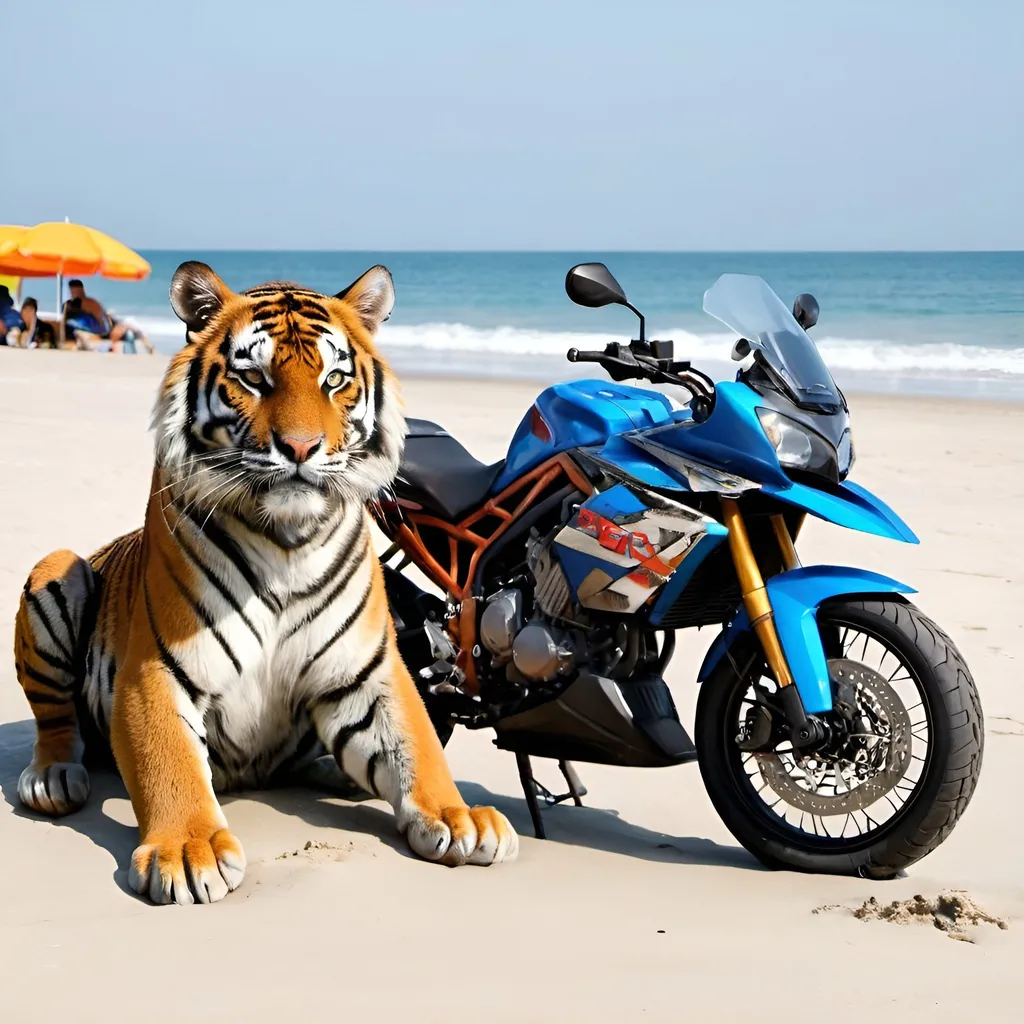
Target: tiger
{"points": [[244, 630]]}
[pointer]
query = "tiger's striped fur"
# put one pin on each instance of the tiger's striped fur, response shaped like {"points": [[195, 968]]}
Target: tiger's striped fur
{"points": [[245, 627]]}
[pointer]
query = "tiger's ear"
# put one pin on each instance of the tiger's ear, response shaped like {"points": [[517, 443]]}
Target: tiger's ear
{"points": [[372, 297], [197, 294]]}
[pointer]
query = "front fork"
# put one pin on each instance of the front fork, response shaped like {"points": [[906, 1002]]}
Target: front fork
{"points": [[804, 731]]}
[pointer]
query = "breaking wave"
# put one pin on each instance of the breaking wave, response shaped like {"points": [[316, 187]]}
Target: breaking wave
{"points": [[871, 356]]}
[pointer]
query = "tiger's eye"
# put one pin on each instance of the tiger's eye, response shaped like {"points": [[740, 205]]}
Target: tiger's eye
{"points": [[253, 377], [334, 378]]}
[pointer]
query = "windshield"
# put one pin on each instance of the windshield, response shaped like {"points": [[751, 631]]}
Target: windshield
{"points": [[748, 306]]}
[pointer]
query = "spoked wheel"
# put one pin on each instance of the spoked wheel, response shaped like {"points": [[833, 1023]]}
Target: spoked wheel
{"points": [[899, 765]]}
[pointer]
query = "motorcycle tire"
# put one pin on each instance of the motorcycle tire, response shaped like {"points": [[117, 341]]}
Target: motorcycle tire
{"points": [[947, 780]]}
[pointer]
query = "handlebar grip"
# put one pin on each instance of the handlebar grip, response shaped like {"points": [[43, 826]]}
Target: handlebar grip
{"points": [[574, 355]]}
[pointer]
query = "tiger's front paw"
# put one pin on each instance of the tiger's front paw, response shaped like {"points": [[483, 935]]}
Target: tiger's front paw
{"points": [[54, 789], [461, 835], [188, 869]]}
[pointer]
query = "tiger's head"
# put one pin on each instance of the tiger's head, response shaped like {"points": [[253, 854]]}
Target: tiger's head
{"points": [[278, 408]]}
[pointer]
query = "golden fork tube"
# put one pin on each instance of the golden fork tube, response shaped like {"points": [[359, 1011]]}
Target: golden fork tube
{"points": [[755, 597], [790, 560]]}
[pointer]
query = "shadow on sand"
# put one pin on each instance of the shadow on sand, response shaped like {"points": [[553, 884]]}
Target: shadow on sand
{"points": [[330, 804]]}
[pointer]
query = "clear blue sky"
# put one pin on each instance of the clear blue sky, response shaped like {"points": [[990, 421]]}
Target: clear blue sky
{"points": [[551, 124]]}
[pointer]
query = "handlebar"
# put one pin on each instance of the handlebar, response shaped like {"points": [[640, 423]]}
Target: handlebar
{"points": [[623, 362], [574, 355]]}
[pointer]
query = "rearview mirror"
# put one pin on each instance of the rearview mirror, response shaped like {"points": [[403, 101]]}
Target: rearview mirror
{"points": [[805, 310], [741, 349], [592, 284]]}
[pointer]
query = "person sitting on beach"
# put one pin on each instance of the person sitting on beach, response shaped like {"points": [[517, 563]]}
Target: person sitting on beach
{"points": [[88, 323], [10, 318], [84, 314], [32, 332]]}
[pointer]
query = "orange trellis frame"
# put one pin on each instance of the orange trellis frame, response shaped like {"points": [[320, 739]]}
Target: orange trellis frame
{"points": [[471, 537]]}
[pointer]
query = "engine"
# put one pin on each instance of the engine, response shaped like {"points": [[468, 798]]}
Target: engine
{"points": [[539, 649]]}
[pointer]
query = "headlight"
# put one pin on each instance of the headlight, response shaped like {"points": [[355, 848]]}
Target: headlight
{"points": [[797, 447]]}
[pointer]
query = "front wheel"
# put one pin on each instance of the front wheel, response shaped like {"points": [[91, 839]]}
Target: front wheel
{"points": [[900, 763]]}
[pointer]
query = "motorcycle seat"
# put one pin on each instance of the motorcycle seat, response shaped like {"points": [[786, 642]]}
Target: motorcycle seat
{"points": [[440, 474]]}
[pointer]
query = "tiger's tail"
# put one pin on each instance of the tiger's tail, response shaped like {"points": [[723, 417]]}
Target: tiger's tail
{"points": [[52, 632]]}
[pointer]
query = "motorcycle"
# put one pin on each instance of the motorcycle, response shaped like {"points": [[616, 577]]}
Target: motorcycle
{"points": [[837, 728]]}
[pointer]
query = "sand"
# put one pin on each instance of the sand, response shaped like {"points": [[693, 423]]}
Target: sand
{"points": [[954, 913], [640, 906]]}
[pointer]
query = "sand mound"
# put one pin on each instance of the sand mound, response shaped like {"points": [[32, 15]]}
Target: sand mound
{"points": [[952, 912]]}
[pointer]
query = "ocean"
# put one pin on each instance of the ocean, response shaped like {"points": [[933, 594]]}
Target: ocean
{"points": [[932, 323]]}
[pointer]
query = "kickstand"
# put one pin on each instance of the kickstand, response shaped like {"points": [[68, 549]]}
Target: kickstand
{"points": [[532, 789], [530, 785], [576, 788]]}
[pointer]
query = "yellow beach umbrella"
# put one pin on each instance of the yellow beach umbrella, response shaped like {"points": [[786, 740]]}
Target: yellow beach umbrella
{"points": [[11, 281], [14, 266], [59, 249], [9, 232], [12, 284]]}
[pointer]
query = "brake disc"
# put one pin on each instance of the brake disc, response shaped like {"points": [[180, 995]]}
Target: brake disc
{"points": [[824, 783]]}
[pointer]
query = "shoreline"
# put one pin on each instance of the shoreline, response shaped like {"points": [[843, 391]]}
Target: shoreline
{"points": [[988, 392]]}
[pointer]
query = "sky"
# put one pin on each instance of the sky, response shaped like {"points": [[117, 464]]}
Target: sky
{"points": [[576, 124]]}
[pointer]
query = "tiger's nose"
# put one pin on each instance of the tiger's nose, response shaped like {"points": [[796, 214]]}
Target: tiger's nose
{"points": [[298, 449]]}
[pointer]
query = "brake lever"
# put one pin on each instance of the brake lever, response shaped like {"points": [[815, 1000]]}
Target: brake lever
{"points": [[622, 369], [681, 374]]}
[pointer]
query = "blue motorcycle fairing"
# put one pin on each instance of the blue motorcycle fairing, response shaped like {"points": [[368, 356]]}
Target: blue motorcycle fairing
{"points": [[578, 414], [731, 438], [615, 502], [630, 550], [596, 414], [637, 464], [854, 507], [795, 597], [578, 566]]}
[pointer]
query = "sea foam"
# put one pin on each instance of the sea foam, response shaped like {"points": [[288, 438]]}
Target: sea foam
{"points": [[873, 356]]}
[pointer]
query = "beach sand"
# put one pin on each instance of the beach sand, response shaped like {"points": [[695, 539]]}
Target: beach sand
{"points": [[639, 906]]}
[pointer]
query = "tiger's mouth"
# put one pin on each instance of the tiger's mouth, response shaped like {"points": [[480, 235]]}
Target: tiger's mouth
{"points": [[290, 498], [297, 483], [283, 483]]}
